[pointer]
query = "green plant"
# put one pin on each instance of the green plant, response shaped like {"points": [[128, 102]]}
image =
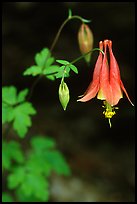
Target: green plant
{"points": [[27, 173]]}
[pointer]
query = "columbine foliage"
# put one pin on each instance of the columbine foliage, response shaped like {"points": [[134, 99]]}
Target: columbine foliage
{"points": [[44, 65], [67, 66], [30, 175], [27, 173], [11, 151], [16, 110]]}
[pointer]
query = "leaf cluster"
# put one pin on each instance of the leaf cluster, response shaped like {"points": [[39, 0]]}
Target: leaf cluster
{"points": [[30, 177], [16, 110], [45, 66]]}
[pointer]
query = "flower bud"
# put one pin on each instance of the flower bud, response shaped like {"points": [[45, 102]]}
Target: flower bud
{"points": [[85, 40], [64, 94]]}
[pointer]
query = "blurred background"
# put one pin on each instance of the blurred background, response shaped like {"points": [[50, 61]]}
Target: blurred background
{"points": [[101, 159]]}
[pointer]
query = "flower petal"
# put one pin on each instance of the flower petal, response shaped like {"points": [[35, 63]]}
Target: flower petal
{"points": [[114, 68], [94, 85], [116, 92], [114, 77], [123, 88], [105, 92]]}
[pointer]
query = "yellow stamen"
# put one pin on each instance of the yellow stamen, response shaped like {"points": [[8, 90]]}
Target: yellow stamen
{"points": [[109, 112]]}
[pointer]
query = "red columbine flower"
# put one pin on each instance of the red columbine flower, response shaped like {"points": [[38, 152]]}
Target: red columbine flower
{"points": [[106, 82]]}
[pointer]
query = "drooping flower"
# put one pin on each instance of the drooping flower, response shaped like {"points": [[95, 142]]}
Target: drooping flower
{"points": [[85, 40], [106, 82]]}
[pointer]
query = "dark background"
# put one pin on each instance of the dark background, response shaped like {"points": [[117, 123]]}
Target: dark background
{"points": [[101, 159]]}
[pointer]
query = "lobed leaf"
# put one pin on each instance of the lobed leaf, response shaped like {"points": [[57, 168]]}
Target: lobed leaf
{"points": [[42, 56], [22, 118], [33, 70], [49, 62], [57, 162], [9, 95], [22, 95], [41, 143], [7, 113], [52, 69], [11, 151], [29, 183], [16, 177]]}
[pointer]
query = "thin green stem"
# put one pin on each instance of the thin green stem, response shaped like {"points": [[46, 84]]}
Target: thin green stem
{"points": [[79, 58], [61, 27]]}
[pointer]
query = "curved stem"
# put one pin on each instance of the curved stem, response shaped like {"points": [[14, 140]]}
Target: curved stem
{"points": [[61, 27], [79, 58]]}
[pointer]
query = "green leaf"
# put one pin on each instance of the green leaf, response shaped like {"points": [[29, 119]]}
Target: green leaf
{"points": [[40, 58], [16, 178], [22, 119], [41, 143], [22, 198], [73, 68], [57, 162], [29, 183], [51, 69], [51, 77], [44, 65], [44, 158], [6, 157], [49, 61], [22, 95], [35, 184], [33, 70], [36, 158], [11, 151], [6, 197], [16, 152], [63, 71], [67, 67], [9, 95], [7, 113], [67, 70], [62, 62], [36, 162], [60, 72]]}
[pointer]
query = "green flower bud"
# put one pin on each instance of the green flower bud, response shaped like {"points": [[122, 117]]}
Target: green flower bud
{"points": [[85, 40], [64, 94]]}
